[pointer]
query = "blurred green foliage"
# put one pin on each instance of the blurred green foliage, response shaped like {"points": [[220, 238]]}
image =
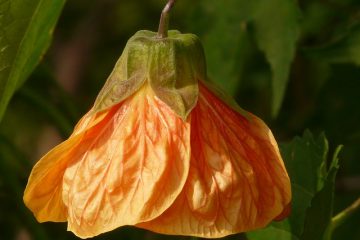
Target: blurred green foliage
{"points": [[26, 28], [296, 64], [312, 183]]}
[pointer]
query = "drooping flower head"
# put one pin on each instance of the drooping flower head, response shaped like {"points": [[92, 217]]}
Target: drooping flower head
{"points": [[161, 150]]}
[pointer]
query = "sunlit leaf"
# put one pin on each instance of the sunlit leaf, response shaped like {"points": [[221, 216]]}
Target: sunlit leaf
{"points": [[273, 232], [25, 32]]}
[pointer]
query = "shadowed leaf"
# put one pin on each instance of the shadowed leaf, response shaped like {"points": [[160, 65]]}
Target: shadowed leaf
{"points": [[225, 40], [345, 49], [321, 210], [276, 31], [312, 184]]}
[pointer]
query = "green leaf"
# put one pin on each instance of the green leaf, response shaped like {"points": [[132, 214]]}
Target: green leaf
{"points": [[344, 49], [222, 26], [321, 210], [276, 231], [305, 160], [25, 32], [276, 26]]}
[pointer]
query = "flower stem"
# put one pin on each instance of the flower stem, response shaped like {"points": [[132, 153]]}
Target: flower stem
{"points": [[164, 19]]}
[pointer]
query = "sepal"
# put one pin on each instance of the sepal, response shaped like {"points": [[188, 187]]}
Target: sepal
{"points": [[172, 66]]}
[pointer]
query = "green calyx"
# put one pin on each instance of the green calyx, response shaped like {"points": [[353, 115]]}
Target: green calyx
{"points": [[172, 66]]}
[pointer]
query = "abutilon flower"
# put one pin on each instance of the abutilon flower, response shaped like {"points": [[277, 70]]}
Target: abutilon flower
{"points": [[163, 151]]}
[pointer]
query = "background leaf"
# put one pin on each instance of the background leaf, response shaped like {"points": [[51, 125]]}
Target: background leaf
{"points": [[25, 33], [278, 231], [224, 23], [321, 210], [312, 183], [276, 31], [344, 49]]}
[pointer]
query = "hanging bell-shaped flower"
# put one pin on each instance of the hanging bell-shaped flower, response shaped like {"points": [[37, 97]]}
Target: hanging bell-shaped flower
{"points": [[161, 150]]}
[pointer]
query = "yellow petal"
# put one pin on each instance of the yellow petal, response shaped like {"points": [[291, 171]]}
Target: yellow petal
{"points": [[237, 181], [132, 170], [43, 193]]}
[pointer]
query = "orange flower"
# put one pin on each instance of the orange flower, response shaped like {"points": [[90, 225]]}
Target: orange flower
{"points": [[161, 151]]}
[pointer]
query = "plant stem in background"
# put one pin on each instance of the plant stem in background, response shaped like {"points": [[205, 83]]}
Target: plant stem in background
{"points": [[341, 217]]}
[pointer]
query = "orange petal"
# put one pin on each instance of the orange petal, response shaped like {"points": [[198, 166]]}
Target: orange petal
{"points": [[237, 180], [43, 193], [132, 170]]}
